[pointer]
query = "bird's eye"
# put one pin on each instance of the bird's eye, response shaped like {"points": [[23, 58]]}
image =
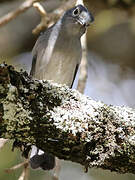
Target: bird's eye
{"points": [[76, 12]]}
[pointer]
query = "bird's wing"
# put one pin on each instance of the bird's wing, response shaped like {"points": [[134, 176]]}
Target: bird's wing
{"points": [[76, 70], [38, 52]]}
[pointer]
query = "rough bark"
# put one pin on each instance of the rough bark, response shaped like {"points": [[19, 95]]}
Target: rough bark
{"points": [[65, 123]]}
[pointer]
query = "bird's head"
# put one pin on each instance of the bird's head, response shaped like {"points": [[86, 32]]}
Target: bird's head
{"points": [[77, 19]]}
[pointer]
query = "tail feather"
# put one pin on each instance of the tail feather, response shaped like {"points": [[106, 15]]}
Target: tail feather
{"points": [[41, 160]]}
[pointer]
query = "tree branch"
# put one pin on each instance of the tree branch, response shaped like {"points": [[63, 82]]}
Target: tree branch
{"points": [[65, 123], [46, 18], [13, 14]]}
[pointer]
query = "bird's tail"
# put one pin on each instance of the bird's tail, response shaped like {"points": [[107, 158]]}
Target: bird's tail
{"points": [[40, 159]]}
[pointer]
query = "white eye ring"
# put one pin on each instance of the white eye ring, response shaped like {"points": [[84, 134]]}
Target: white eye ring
{"points": [[76, 12]]}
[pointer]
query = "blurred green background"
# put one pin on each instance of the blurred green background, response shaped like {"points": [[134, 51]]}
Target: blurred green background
{"points": [[111, 69]]}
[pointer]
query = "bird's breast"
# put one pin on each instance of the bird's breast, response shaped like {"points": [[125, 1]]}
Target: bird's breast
{"points": [[61, 67], [58, 62]]}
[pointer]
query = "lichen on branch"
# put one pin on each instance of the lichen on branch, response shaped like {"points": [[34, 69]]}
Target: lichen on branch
{"points": [[65, 123]]}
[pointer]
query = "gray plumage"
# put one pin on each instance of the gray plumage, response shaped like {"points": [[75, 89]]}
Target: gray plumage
{"points": [[61, 66], [57, 53]]}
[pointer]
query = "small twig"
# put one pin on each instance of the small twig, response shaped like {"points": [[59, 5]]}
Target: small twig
{"points": [[79, 2], [57, 169], [25, 163], [25, 172], [83, 67], [13, 14], [40, 8], [2, 142], [44, 18], [48, 19], [64, 7]]}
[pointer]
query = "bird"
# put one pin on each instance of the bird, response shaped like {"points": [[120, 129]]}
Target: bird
{"points": [[56, 56]]}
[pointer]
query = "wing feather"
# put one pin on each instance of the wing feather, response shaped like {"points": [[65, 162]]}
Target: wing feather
{"points": [[76, 70], [38, 52]]}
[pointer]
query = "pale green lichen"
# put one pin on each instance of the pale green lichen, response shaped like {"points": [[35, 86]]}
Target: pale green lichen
{"points": [[69, 125], [15, 116]]}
